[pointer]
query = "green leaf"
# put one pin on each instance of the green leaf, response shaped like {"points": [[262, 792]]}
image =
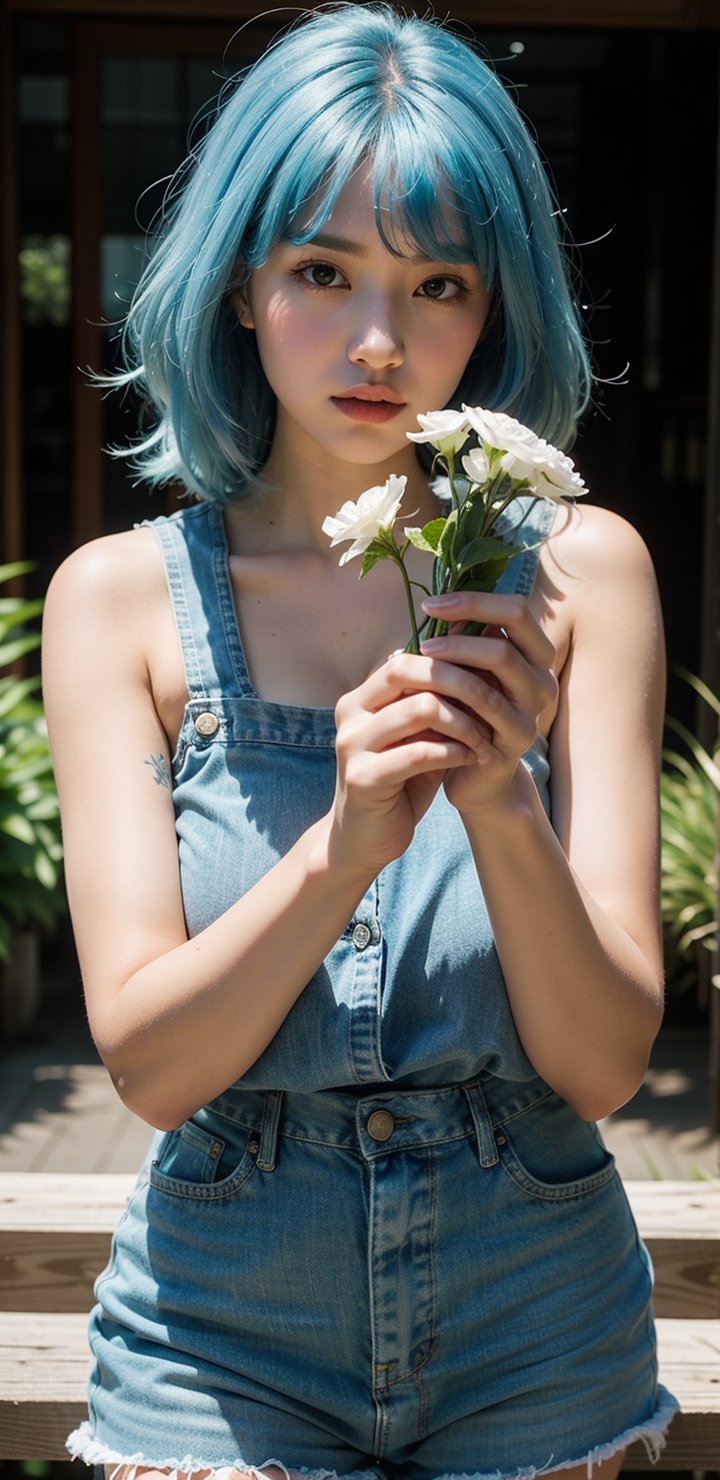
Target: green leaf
{"points": [[45, 870], [481, 552], [428, 538], [473, 514], [11, 651], [707, 764], [19, 828], [14, 609], [375, 552], [700, 688], [14, 692], [17, 568], [447, 538]]}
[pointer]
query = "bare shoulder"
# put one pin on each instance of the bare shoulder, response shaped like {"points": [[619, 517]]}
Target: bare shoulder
{"points": [[110, 577], [589, 543], [596, 565]]}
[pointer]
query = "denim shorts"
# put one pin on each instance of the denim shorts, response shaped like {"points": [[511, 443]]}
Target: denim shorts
{"points": [[442, 1282]]}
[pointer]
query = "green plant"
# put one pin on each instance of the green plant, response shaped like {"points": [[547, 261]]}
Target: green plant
{"points": [[30, 843], [690, 815]]}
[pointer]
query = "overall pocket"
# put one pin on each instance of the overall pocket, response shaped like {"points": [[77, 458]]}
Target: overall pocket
{"points": [[197, 1162], [552, 1154]]}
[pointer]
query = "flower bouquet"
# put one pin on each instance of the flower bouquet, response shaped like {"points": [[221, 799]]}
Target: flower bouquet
{"points": [[470, 550]]}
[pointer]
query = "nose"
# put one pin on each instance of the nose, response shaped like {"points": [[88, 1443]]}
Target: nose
{"points": [[376, 341]]}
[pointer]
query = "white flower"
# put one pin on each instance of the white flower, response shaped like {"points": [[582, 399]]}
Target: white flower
{"points": [[476, 465], [448, 431], [375, 511], [550, 473]]}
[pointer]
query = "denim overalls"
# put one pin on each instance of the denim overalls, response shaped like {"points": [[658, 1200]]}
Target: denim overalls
{"points": [[390, 1248]]}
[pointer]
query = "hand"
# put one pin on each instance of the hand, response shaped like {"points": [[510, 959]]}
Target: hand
{"points": [[398, 735], [508, 682]]}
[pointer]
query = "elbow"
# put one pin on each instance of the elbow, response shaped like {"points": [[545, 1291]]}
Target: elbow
{"points": [[596, 1099], [622, 1072], [147, 1102], [143, 1090]]}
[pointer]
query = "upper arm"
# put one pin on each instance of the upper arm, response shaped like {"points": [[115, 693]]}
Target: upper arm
{"points": [[605, 743], [121, 857]]}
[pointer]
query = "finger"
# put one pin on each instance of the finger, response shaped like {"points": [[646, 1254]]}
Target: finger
{"points": [[409, 718], [497, 610], [510, 714], [391, 769], [526, 685]]}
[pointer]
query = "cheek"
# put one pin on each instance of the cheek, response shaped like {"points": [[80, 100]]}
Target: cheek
{"points": [[285, 337]]}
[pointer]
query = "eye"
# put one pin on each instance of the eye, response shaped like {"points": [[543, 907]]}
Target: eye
{"points": [[320, 275], [439, 288]]}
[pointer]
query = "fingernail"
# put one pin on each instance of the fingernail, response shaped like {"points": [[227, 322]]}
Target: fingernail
{"points": [[432, 644], [439, 603]]}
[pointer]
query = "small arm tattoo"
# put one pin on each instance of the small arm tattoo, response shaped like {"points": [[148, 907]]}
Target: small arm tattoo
{"points": [[161, 773]]}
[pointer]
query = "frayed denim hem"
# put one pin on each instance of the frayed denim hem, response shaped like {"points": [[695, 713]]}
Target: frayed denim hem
{"points": [[652, 1434], [81, 1445]]}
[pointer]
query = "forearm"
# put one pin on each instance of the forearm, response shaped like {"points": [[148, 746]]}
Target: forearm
{"points": [[192, 1020], [585, 998]]}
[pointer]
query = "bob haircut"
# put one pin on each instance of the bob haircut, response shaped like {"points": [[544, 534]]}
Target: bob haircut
{"points": [[455, 173]]}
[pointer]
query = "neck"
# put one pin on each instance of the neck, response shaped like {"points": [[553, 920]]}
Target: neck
{"points": [[299, 491]]}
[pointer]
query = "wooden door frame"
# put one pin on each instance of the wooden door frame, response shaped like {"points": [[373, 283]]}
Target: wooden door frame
{"points": [[93, 40]]}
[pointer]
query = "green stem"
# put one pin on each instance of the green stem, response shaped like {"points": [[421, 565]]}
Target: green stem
{"points": [[450, 469], [414, 645]]}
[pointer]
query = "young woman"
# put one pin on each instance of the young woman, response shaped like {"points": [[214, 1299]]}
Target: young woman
{"points": [[332, 946]]}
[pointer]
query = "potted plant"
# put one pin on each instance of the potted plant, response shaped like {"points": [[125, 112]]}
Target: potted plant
{"points": [[690, 815], [31, 892]]}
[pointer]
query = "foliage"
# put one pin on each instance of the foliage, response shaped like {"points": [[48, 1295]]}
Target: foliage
{"points": [[45, 280], [690, 814], [30, 843]]}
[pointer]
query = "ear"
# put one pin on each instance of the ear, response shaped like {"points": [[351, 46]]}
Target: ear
{"points": [[240, 303]]}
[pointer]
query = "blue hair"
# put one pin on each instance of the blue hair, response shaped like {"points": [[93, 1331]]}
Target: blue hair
{"points": [[455, 172]]}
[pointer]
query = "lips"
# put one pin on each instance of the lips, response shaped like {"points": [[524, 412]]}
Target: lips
{"points": [[369, 403]]}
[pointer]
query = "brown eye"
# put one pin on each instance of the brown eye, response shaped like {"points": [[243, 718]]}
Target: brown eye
{"points": [[435, 287], [440, 287], [320, 275]]}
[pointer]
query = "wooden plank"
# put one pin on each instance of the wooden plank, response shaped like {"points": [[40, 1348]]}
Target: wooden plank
{"points": [[680, 1223], [44, 1365], [689, 1356], [55, 1232]]}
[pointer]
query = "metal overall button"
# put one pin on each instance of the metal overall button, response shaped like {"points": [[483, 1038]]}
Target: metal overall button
{"points": [[381, 1125], [361, 936], [206, 723]]}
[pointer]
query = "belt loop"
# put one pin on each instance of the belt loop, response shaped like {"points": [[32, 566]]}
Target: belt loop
{"points": [[487, 1149], [269, 1130]]}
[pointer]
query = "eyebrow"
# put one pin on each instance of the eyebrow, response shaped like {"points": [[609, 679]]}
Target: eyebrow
{"points": [[356, 249], [338, 244]]}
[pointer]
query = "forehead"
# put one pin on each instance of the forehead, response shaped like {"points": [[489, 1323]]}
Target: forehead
{"points": [[370, 205]]}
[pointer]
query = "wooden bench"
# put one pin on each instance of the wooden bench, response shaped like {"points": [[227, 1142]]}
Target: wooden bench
{"points": [[55, 1236]]}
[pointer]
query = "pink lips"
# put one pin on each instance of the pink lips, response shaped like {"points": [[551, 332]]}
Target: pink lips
{"points": [[369, 403]]}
